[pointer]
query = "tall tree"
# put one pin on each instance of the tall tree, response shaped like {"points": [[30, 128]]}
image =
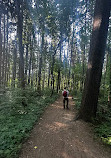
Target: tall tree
{"points": [[96, 58], [19, 10], [0, 50]]}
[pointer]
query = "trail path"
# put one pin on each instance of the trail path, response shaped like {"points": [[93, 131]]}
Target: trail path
{"points": [[56, 135]]}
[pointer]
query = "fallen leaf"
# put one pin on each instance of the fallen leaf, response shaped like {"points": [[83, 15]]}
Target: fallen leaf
{"points": [[35, 147]]}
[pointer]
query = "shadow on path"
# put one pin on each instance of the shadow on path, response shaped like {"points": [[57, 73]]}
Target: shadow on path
{"points": [[56, 135]]}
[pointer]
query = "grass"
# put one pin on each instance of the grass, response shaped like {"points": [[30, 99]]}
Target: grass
{"points": [[17, 121]]}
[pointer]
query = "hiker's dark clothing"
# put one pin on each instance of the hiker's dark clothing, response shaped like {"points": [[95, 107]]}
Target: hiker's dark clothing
{"points": [[65, 99]]}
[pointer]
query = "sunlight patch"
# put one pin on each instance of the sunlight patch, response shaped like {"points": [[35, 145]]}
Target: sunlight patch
{"points": [[56, 126], [89, 66], [65, 155], [60, 125], [97, 22]]}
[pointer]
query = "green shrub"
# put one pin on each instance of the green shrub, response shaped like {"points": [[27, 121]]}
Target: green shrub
{"points": [[104, 132], [102, 122], [16, 121]]}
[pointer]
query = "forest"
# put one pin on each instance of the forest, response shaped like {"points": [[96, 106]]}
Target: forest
{"points": [[46, 45]]}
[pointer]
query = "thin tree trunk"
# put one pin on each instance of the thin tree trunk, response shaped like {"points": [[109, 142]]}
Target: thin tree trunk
{"points": [[84, 50], [43, 81], [0, 52], [3, 59], [49, 76], [40, 63], [8, 66], [39, 73], [104, 79], [14, 65], [83, 68], [52, 76], [26, 65], [29, 68], [6, 63], [32, 65], [109, 99], [72, 57], [58, 81], [59, 69]]}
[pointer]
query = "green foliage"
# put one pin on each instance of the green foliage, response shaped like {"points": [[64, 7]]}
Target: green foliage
{"points": [[103, 120], [77, 98], [103, 112], [102, 123], [104, 132], [16, 120]]}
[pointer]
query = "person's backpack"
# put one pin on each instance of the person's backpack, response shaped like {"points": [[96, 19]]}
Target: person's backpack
{"points": [[65, 93]]}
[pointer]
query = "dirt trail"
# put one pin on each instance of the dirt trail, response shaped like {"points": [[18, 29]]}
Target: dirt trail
{"points": [[56, 135]]}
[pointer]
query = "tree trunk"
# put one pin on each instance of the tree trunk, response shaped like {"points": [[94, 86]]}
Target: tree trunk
{"points": [[106, 68], [3, 57], [52, 76], [96, 58], [109, 51], [26, 64], [40, 63], [6, 63], [83, 68], [0, 52], [30, 61], [14, 65], [19, 6], [49, 76], [59, 69], [39, 73], [43, 81], [58, 81]]}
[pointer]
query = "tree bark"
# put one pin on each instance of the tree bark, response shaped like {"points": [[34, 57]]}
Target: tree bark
{"points": [[6, 63], [3, 57], [30, 61], [83, 68], [52, 76], [109, 51], [49, 76], [32, 75], [96, 58], [0, 52], [59, 69], [84, 50], [26, 64], [43, 81], [19, 6], [14, 64], [40, 63]]}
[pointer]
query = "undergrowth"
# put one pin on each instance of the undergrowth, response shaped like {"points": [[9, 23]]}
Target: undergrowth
{"points": [[19, 110], [77, 98], [102, 123]]}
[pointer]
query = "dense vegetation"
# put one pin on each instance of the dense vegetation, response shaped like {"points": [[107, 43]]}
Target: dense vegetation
{"points": [[17, 120], [44, 46]]}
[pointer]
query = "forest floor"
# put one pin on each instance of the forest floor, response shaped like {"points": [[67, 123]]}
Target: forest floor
{"points": [[57, 135]]}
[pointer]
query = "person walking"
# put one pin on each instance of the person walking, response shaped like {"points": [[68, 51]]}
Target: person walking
{"points": [[65, 94]]}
